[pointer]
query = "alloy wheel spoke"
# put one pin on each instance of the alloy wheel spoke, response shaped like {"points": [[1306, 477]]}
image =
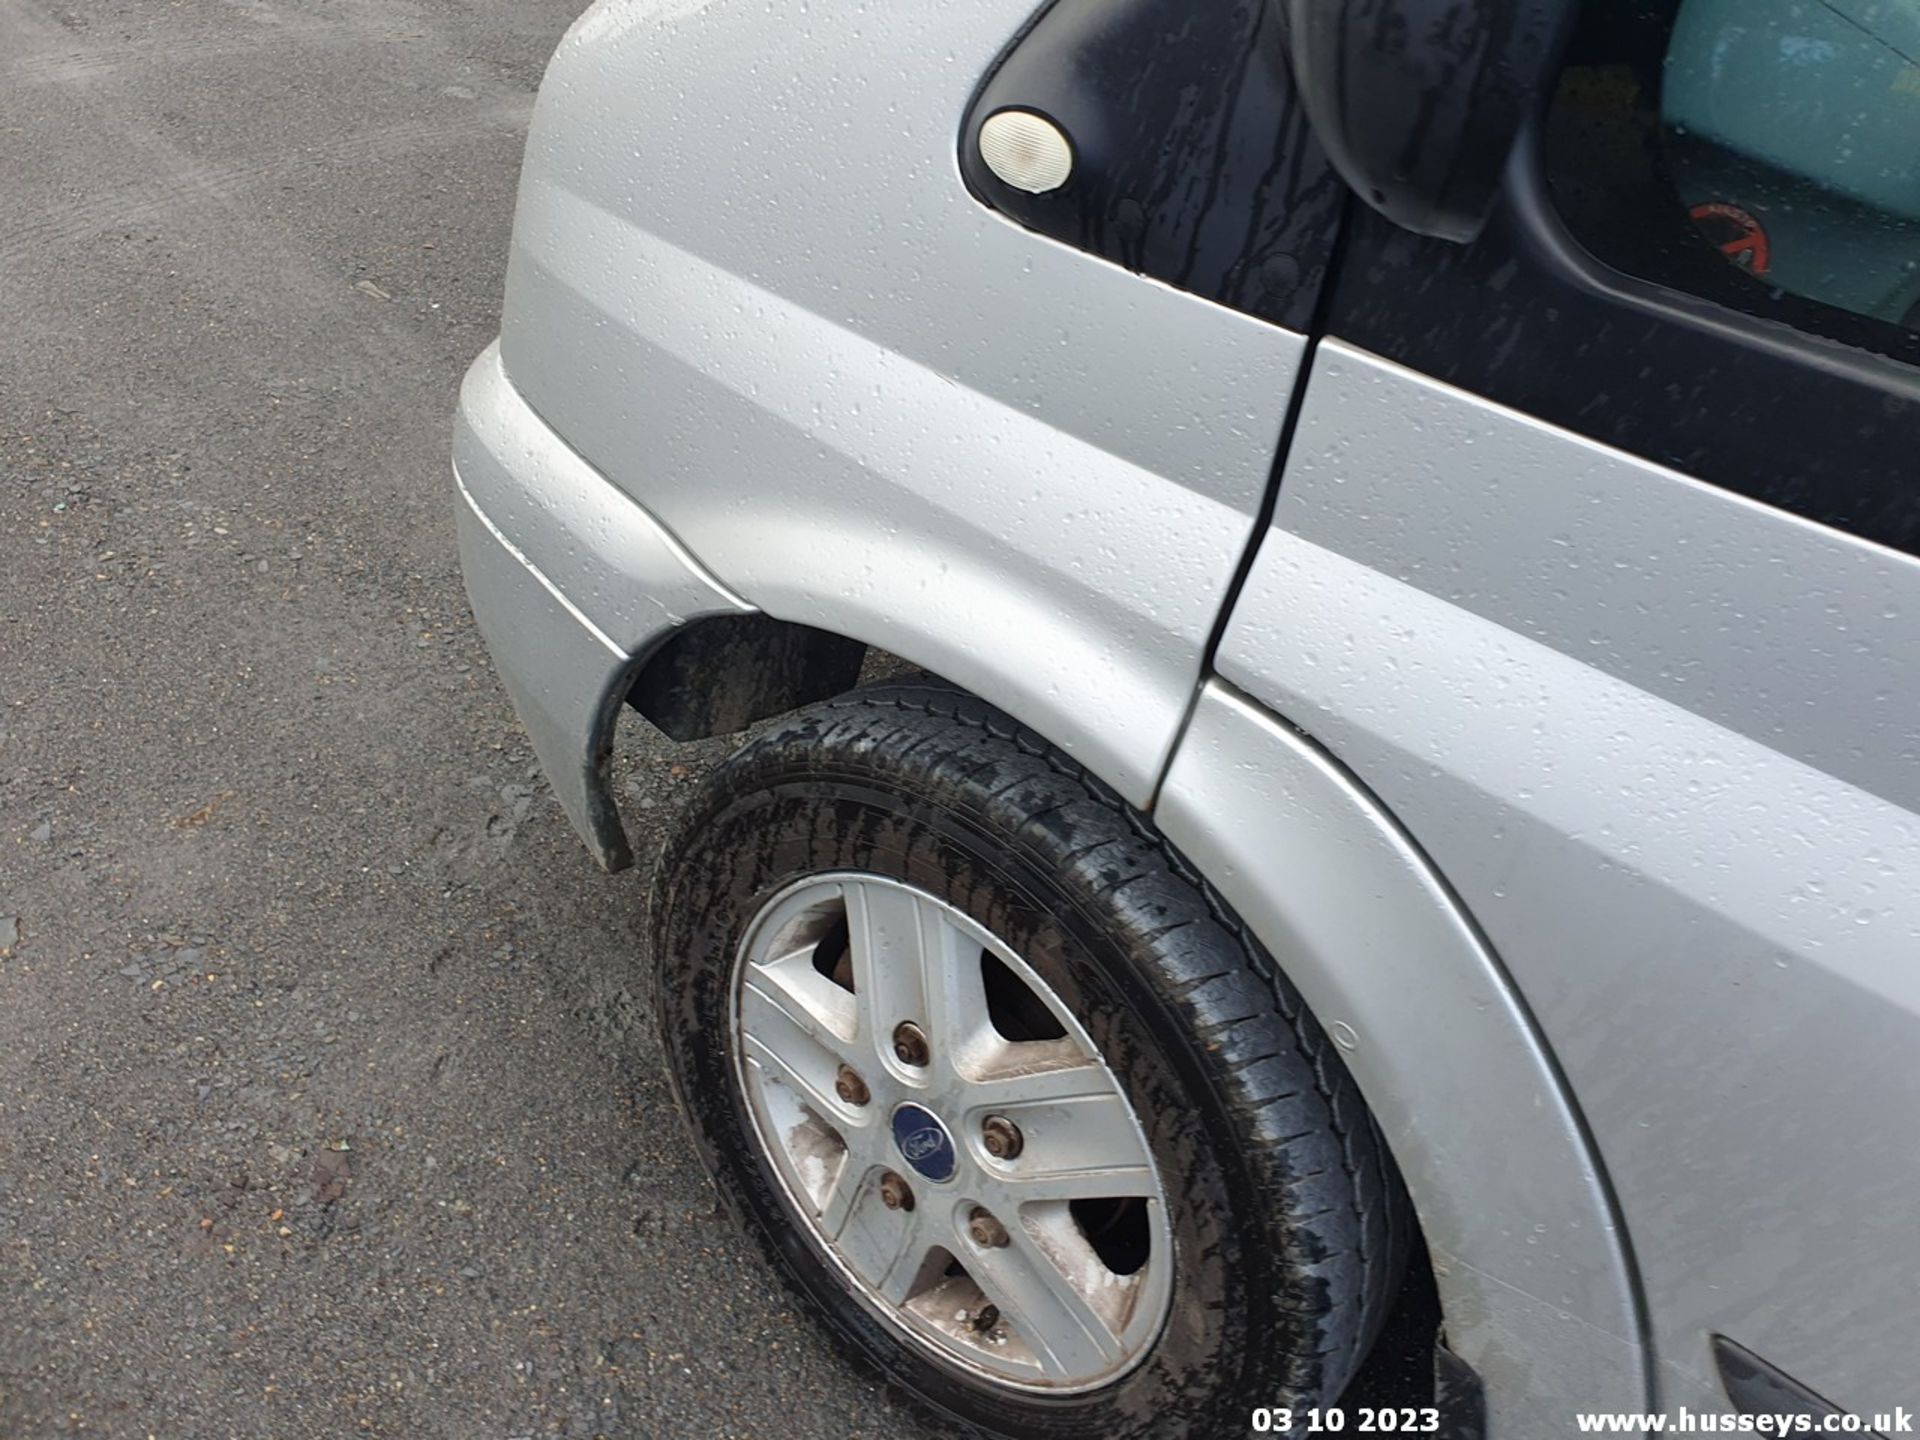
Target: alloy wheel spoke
{"points": [[1081, 1147], [1042, 1303], [852, 1186], [910, 964], [1133, 1182], [781, 1032], [1035, 1072], [886, 931], [888, 1249]]}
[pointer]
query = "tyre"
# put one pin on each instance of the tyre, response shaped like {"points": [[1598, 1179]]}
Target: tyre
{"points": [[1015, 1104]]}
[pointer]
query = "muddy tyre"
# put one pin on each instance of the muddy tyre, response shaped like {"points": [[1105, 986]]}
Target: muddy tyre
{"points": [[1016, 1105]]}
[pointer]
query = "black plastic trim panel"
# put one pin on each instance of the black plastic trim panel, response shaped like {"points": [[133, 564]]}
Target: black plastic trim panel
{"points": [[1193, 160], [1756, 1388]]}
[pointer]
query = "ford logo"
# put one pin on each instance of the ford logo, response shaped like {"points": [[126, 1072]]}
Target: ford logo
{"points": [[924, 1143]]}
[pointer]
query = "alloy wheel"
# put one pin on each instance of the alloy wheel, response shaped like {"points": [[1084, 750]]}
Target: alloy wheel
{"points": [[949, 1136]]}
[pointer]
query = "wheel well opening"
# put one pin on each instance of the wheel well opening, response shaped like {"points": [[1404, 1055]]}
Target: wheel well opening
{"points": [[719, 675]]}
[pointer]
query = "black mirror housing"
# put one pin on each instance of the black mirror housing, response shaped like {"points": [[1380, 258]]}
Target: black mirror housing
{"points": [[1418, 102]]}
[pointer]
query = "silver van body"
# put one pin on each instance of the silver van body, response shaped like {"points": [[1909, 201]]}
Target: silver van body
{"points": [[1578, 796]]}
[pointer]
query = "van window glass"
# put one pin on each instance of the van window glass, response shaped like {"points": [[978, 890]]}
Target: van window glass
{"points": [[1762, 153]]}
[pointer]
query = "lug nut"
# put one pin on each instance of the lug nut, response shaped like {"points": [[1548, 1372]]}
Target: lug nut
{"points": [[850, 1087], [1001, 1137], [985, 1231], [895, 1193], [910, 1044]]}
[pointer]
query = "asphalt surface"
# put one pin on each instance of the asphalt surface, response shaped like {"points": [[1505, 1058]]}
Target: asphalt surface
{"points": [[329, 1103]]}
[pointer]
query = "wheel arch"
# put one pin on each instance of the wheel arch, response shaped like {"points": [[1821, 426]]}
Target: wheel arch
{"points": [[719, 672], [1532, 1261]]}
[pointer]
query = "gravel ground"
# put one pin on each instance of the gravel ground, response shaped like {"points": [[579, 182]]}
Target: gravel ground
{"points": [[328, 1099]]}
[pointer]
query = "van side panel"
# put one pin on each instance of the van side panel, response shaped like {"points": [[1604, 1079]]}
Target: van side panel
{"points": [[1661, 739]]}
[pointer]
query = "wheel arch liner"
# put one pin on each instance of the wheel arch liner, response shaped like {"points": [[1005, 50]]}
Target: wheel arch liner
{"points": [[1531, 1263]]}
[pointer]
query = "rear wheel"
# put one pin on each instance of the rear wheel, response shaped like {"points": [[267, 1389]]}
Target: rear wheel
{"points": [[1015, 1104]]}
